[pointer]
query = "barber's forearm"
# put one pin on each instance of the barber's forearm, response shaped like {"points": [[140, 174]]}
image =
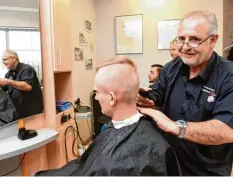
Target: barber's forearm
{"points": [[213, 132], [20, 85]]}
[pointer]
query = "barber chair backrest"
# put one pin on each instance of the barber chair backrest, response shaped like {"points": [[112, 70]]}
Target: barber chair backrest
{"points": [[7, 109]]}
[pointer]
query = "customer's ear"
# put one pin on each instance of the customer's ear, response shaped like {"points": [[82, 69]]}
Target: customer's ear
{"points": [[112, 99]]}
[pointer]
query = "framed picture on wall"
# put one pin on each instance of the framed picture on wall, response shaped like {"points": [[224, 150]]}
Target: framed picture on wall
{"points": [[88, 26], [82, 40], [88, 64], [167, 32], [78, 54], [91, 47], [128, 34]]}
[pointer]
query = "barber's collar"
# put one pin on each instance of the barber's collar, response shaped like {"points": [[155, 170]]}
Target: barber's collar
{"points": [[16, 70], [129, 121], [205, 73]]}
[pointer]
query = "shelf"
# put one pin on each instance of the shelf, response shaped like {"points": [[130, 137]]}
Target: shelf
{"points": [[13, 146], [85, 115]]}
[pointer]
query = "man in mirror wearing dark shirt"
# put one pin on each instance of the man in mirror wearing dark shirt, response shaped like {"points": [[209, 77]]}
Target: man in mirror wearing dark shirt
{"points": [[22, 85]]}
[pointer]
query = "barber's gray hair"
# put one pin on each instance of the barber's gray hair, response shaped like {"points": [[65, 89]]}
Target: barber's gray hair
{"points": [[210, 17], [11, 53]]}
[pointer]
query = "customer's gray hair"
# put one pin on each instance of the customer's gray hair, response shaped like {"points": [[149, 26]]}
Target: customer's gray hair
{"points": [[210, 17]]}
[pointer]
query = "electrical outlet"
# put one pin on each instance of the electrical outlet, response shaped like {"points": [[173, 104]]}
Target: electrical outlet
{"points": [[69, 116], [64, 118]]}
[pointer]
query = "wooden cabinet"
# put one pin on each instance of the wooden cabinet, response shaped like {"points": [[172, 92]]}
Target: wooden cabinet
{"points": [[61, 35], [58, 153], [57, 55]]}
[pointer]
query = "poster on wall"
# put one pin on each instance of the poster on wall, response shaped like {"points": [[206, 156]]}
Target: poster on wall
{"points": [[78, 54], [128, 34], [89, 64], [91, 47], [167, 32], [82, 39], [88, 26]]}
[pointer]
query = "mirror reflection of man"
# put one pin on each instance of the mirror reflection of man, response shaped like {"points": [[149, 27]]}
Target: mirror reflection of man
{"points": [[173, 50], [154, 73], [22, 84]]}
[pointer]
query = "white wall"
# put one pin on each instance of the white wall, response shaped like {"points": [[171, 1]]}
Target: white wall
{"points": [[9, 18], [20, 3], [227, 24], [153, 11], [82, 78], [19, 19]]}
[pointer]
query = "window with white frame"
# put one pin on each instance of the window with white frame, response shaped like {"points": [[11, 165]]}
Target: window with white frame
{"points": [[26, 42]]}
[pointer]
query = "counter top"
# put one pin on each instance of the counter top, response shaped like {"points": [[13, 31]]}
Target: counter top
{"points": [[13, 146]]}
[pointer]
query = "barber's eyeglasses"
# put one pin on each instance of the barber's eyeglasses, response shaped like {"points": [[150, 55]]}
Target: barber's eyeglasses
{"points": [[192, 43], [5, 59]]}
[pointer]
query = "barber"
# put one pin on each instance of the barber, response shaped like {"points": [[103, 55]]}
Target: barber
{"points": [[195, 95], [22, 84]]}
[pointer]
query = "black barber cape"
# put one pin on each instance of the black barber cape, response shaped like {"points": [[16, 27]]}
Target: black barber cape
{"points": [[137, 149], [7, 109]]}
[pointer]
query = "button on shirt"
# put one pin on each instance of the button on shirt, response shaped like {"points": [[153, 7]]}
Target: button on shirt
{"points": [[207, 96]]}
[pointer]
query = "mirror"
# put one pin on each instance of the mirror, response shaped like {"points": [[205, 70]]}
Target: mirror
{"points": [[19, 32]]}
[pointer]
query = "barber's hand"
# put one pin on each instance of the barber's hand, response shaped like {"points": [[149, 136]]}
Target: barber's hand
{"points": [[163, 122], [144, 102], [4, 82]]}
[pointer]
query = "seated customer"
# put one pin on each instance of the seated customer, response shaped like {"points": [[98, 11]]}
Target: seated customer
{"points": [[7, 109], [131, 145]]}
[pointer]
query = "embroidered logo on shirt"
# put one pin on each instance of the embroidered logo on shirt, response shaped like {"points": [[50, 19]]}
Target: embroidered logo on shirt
{"points": [[211, 97]]}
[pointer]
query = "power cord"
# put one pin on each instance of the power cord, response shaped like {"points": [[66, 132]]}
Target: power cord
{"points": [[77, 127], [76, 134], [75, 137], [16, 167], [65, 142], [81, 109], [90, 132]]}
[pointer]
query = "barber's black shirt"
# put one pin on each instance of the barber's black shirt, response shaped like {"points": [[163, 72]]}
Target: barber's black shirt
{"points": [[27, 103], [206, 97]]}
